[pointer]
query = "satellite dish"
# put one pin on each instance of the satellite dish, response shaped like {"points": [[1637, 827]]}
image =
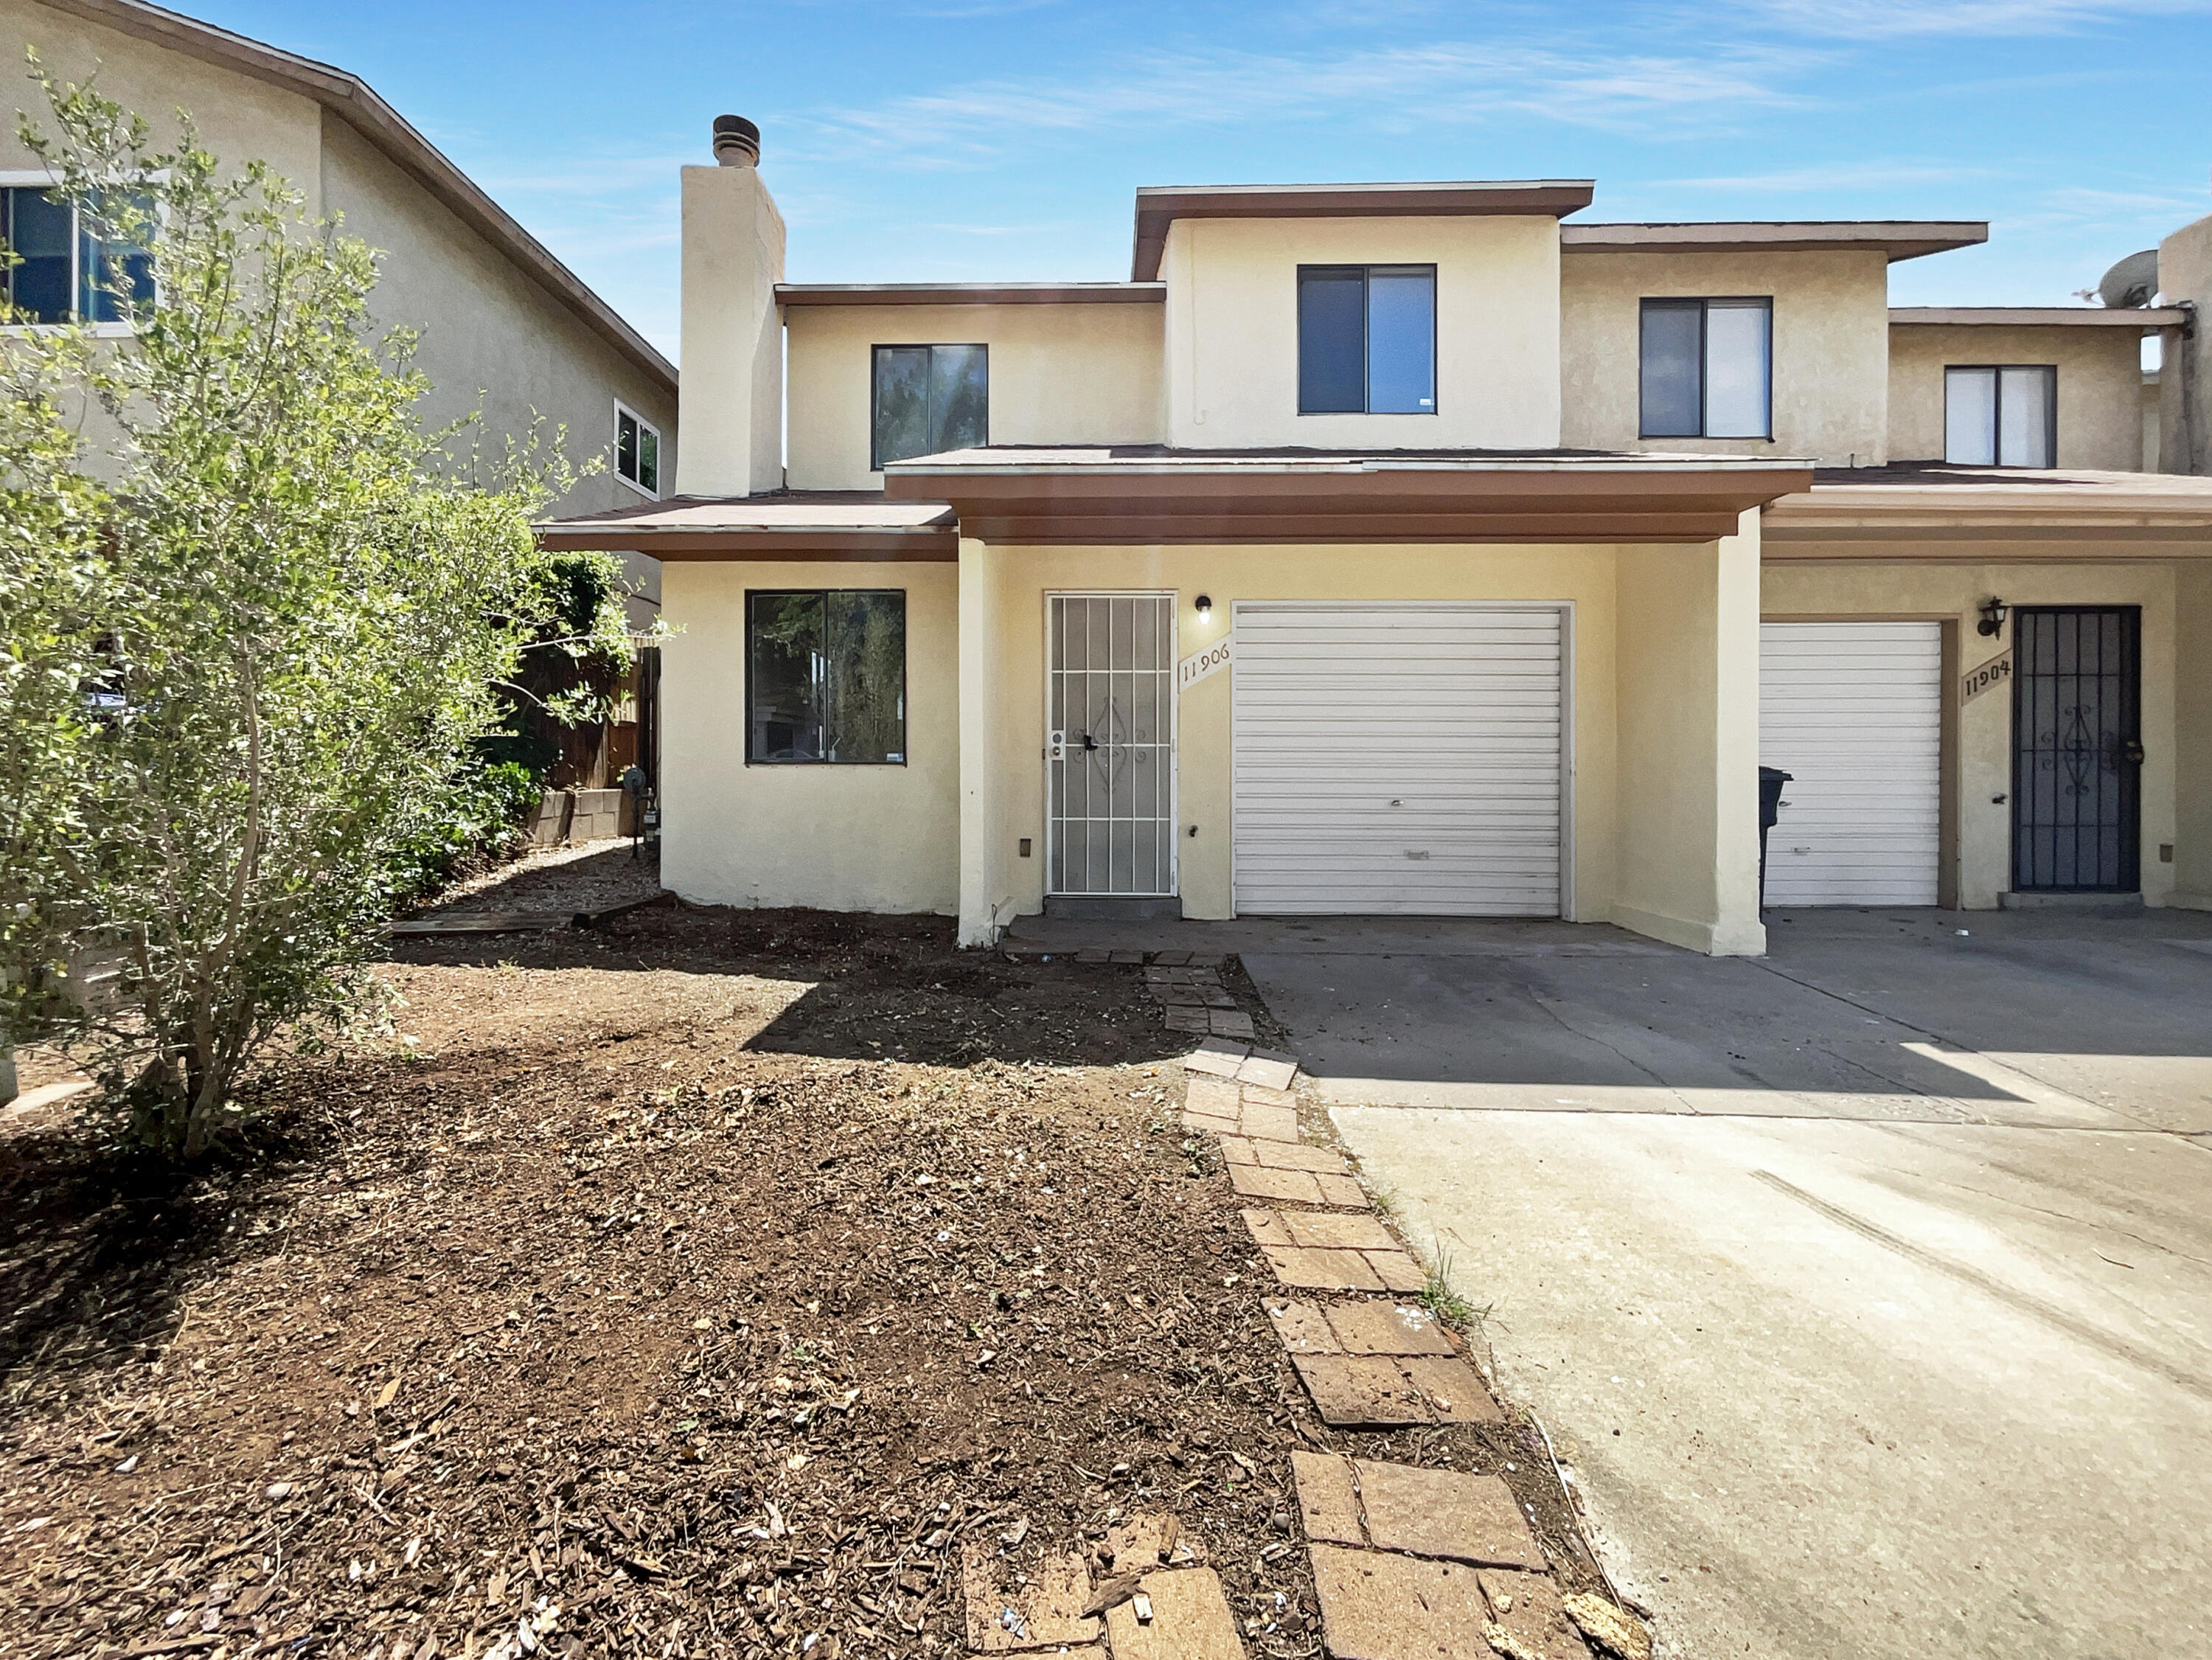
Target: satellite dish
{"points": [[2132, 281]]}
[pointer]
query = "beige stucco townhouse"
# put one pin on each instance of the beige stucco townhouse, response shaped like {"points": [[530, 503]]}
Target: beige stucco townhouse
{"points": [[1422, 549], [504, 327]]}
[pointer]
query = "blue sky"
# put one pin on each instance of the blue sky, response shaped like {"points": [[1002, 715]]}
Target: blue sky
{"points": [[963, 139]]}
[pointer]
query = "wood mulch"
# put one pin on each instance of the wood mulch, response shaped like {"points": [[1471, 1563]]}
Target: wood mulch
{"points": [[698, 1285]]}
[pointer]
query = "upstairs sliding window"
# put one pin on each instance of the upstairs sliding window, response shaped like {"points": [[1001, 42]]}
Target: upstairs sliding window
{"points": [[2001, 414], [929, 399], [1708, 368], [1367, 339]]}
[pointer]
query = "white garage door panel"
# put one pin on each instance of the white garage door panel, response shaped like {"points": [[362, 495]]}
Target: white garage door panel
{"points": [[1451, 711], [1854, 711]]}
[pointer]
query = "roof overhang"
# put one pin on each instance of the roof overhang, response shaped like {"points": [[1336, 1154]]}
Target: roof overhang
{"points": [[830, 526], [970, 294], [353, 101], [1894, 239], [1153, 498], [1978, 515], [2143, 318], [1159, 206]]}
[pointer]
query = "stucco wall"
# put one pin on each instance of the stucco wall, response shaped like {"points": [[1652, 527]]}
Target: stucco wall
{"points": [[2185, 424], [1086, 373], [1950, 592], [1232, 345], [491, 338], [876, 838], [2099, 387], [2192, 724], [1686, 679], [239, 119], [1831, 348]]}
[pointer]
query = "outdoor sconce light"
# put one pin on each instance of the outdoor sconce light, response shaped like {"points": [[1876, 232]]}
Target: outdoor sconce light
{"points": [[1205, 607], [1994, 612]]}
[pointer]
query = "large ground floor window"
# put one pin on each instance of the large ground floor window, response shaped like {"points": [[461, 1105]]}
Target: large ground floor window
{"points": [[825, 676]]}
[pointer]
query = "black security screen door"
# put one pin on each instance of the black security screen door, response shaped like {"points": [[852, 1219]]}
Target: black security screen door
{"points": [[2078, 749]]}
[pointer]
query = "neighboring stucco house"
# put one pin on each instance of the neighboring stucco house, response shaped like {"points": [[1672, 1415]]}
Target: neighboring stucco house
{"points": [[504, 327], [1417, 549]]}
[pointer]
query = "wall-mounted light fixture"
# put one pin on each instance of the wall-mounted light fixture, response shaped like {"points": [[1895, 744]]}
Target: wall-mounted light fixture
{"points": [[1994, 612], [1205, 607]]}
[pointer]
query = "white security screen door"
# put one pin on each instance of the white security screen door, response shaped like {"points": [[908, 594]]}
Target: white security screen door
{"points": [[1398, 759], [1109, 716], [1854, 712]]}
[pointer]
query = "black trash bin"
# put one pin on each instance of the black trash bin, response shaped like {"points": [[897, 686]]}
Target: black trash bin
{"points": [[1770, 780]]}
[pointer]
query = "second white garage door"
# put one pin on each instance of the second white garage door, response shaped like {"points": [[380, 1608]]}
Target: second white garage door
{"points": [[1396, 759], [1853, 711]]}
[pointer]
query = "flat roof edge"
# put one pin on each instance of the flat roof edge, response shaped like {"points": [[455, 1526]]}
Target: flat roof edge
{"points": [[969, 293], [2145, 317]]}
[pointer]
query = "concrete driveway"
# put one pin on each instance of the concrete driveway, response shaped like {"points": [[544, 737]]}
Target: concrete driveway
{"points": [[1866, 1291]]}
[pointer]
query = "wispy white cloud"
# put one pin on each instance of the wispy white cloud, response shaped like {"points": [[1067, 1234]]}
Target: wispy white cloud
{"points": [[1860, 19], [1439, 82]]}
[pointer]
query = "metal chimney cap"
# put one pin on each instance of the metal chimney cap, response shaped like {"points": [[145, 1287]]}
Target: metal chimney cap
{"points": [[737, 142]]}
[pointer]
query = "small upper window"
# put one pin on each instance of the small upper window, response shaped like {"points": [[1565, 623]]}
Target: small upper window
{"points": [[1708, 368], [1367, 339], [2001, 414], [929, 399], [68, 267], [637, 450], [825, 676]]}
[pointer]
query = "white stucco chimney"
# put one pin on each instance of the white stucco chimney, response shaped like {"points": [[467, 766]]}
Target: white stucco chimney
{"points": [[732, 347]]}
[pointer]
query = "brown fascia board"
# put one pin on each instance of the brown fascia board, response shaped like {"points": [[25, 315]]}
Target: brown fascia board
{"points": [[355, 102], [1399, 506], [1159, 206], [827, 542], [970, 294], [1898, 239], [2036, 317]]}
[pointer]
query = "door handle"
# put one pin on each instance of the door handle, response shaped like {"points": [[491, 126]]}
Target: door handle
{"points": [[2132, 749]]}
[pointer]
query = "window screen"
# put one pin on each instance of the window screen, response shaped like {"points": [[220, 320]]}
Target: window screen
{"points": [[1367, 340], [1707, 368], [2001, 414], [825, 676], [929, 399]]}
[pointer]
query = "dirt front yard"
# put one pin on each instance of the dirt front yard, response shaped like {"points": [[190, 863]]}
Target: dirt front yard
{"points": [[701, 1284]]}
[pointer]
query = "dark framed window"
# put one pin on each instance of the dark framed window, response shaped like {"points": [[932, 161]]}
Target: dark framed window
{"points": [[825, 677], [637, 450], [1707, 368], [69, 267], [2001, 414], [1367, 339], [929, 399]]}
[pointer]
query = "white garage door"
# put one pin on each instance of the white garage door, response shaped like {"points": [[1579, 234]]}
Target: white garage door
{"points": [[1853, 711], [1396, 759]]}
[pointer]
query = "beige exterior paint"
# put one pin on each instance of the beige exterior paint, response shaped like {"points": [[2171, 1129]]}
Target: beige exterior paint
{"points": [[490, 336], [732, 334], [491, 339], [867, 838], [1983, 763], [1087, 373], [2099, 387], [2193, 734], [239, 118], [1232, 333], [2185, 276], [1644, 838], [1831, 348]]}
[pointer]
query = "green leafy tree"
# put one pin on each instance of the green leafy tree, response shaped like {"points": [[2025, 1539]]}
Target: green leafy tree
{"points": [[252, 627]]}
